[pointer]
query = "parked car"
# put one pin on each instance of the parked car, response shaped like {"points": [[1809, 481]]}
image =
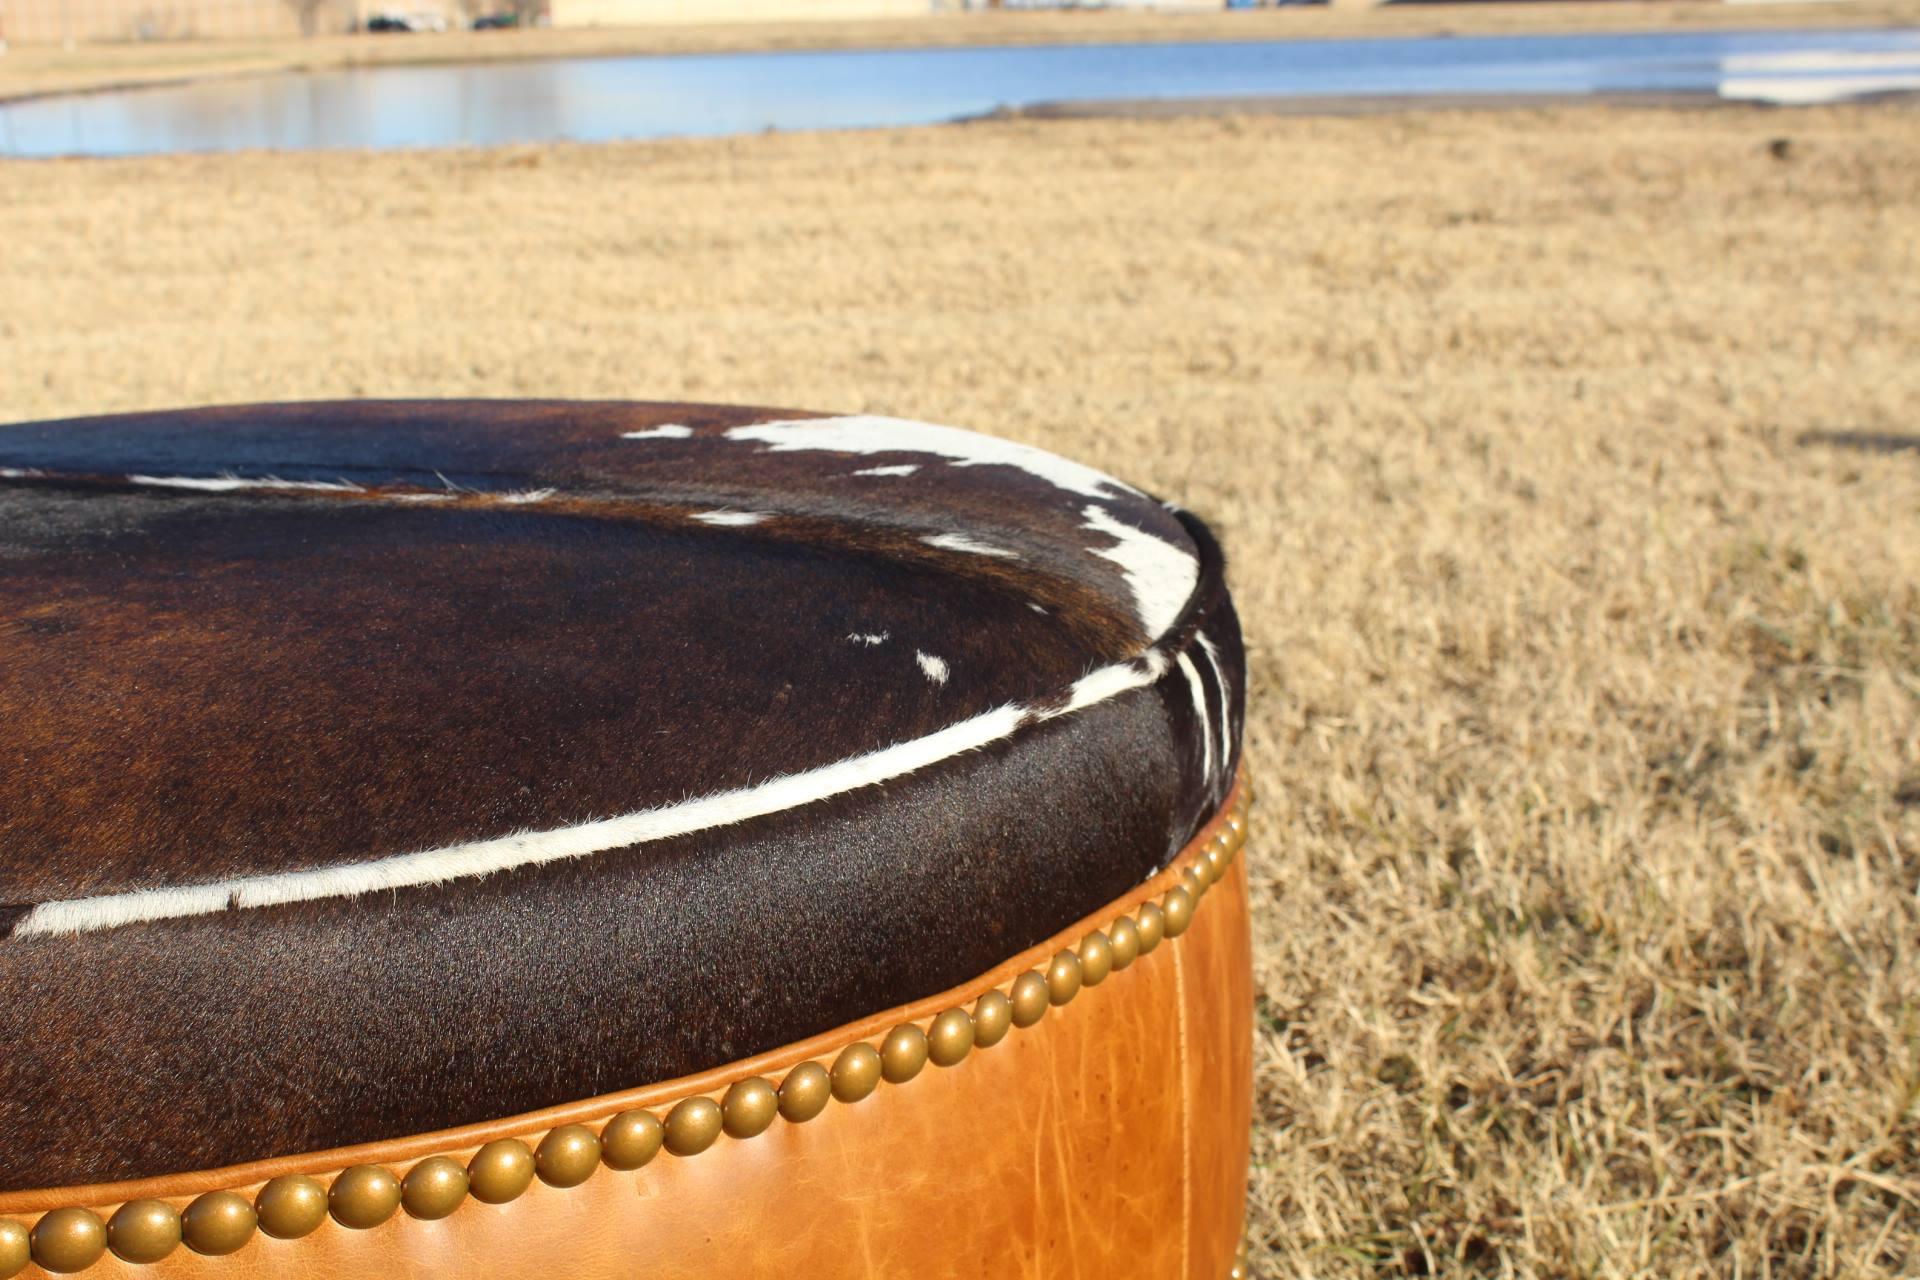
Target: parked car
{"points": [[495, 22], [420, 21]]}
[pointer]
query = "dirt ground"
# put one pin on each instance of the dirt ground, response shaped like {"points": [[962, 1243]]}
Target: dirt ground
{"points": [[1567, 462], [37, 69]]}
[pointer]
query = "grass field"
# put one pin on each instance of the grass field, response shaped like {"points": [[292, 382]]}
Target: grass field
{"points": [[1588, 681], [38, 69]]}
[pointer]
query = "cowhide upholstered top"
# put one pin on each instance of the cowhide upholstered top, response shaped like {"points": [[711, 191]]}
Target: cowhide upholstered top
{"points": [[377, 767]]}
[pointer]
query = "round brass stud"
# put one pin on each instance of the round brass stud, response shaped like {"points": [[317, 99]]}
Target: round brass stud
{"points": [[631, 1139], [1152, 925], [992, 1015], [805, 1092], [1124, 937], [1030, 999], [1237, 1272], [1215, 862], [856, 1072], [68, 1240], [291, 1206], [1064, 977], [1190, 881], [218, 1223], [903, 1053], [692, 1125], [950, 1038], [1096, 958], [749, 1108], [500, 1171], [363, 1197], [433, 1188], [143, 1231], [568, 1156], [16, 1250], [1177, 907], [1203, 867]]}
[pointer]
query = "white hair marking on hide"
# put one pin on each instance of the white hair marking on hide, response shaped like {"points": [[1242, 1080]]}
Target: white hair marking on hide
{"points": [[1226, 697], [235, 484], [229, 482], [866, 434], [869, 638], [532, 848], [667, 431], [1110, 682], [936, 669], [731, 518], [1161, 575], [903, 469], [1199, 692], [972, 546]]}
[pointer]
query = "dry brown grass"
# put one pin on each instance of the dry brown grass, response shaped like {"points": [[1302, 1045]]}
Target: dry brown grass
{"points": [[1588, 699], [38, 69]]}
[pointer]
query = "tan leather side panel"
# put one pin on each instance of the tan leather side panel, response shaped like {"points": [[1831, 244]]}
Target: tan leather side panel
{"points": [[1110, 1139], [1217, 972]]}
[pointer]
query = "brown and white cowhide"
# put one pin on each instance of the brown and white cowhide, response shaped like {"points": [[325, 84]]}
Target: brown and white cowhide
{"points": [[371, 768]]}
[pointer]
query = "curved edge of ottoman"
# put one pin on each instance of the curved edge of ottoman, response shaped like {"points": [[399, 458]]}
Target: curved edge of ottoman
{"points": [[1086, 1104]]}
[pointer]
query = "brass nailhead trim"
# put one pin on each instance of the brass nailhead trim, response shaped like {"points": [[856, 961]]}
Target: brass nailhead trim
{"points": [[68, 1240], [294, 1205], [992, 1019], [500, 1171], [903, 1053], [805, 1092], [434, 1188], [856, 1072], [363, 1197], [568, 1156], [631, 1139], [1124, 937], [1152, 924], [15, 1249], [749, 1109], [1096, 958], [1030, 999], [950, 1038], [1177, 907], [291, 1206], [218, 1223], [1064, 978], [143, 1231], [692, 1125]]}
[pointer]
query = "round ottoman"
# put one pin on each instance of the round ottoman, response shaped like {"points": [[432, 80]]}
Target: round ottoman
{"points": [[600, 839]]}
